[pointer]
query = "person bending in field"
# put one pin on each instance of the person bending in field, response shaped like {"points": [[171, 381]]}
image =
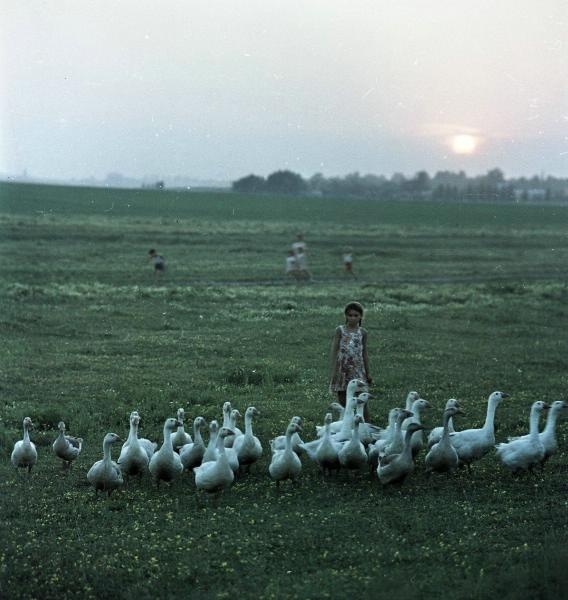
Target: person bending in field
{"points": [[299, 244], [159, 262], [348, 357]]}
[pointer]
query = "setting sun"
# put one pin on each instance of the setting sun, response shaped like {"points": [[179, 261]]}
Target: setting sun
{"points": [[464, 143]]}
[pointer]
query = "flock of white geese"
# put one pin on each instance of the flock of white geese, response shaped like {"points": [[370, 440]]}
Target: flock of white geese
{"points": [[346, 443]]}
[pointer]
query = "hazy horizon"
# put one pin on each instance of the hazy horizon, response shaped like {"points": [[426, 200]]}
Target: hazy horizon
{"points": [[217, 90]]}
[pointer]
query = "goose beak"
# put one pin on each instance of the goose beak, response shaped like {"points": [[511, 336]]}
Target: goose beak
{"points": [[504, 395], [546, 406]]}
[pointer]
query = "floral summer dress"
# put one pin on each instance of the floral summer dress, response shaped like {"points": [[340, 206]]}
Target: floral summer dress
{"points": [[349, 359]]}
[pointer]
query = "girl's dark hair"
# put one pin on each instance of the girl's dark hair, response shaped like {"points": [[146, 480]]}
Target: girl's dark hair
{"points": [[354, 306]]}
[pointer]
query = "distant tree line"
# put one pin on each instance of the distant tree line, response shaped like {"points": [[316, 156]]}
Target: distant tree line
{"points": [[444, 185]]}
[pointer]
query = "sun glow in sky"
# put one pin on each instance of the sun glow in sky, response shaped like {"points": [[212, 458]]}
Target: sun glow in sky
{"points": [[219, 89], [464, 143]]}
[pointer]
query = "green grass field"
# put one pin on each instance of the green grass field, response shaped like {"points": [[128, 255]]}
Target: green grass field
{"points": [[461, 300]]}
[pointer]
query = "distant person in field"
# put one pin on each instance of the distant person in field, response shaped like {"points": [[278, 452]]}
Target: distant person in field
{"points": [[299, 248], [292, 271], [348, 262], [299, 244], [159, 262], [303, 271], [348, 356]]}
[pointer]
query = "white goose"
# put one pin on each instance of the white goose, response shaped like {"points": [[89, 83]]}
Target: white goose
{"points": [[216, 475], [396, 467], [230, 439], [165, 464], [473, 444], [411, 399], [385, 437], [339, 409], [279, 442], [248, 447], [345, 425], [442, 456], [24, 454], [211, 450], [133, 459], [436, 434], [528, 451], [212, 453], [353, 387], [369, 433], [285, 464], [180, 437], [105, 474], [386, 433], [148, 446], [66, 447], [191, 455], [352, 455], [335, 426], [418, 408], [395, 444], [548, 435], [325, 453]]}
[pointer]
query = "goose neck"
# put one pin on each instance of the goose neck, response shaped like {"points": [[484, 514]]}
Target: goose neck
{"points": [[289, 434], [407, 450], [133, 433], [197, 439], [550, 426], [490, 416], [213, 438], [248, 424], [533, 423], [220, 445], [107, 445], [447, 423], [168, 443], [355, 436]]}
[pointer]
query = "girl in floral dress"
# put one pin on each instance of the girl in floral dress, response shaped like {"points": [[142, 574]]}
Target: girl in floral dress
{"points": [[348, 357]]}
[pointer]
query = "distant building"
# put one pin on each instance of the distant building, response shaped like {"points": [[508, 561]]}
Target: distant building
{"points": [[531, 194]]}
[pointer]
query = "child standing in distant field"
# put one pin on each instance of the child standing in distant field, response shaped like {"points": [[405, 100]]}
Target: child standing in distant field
{"points": [[348, 357], [348, 261], [292, 265], [158, 260]]}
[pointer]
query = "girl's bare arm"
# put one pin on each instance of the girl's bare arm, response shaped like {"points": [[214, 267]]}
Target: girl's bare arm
{"points": [[333, 353], [366, 357]]}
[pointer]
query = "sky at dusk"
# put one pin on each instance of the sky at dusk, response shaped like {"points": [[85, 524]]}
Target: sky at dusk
{"points": [[218, 89]]}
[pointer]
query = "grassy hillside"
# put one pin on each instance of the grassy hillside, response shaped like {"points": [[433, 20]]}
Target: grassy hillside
{"points": [[461, 300]]}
